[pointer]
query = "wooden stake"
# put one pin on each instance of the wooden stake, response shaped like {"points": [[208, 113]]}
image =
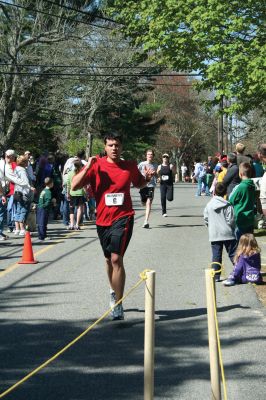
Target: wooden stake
{"points": [[149, 336], [213, 347]]}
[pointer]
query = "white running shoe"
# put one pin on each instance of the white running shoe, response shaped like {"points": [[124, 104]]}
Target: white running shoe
{"points": [[146, 225], [117, 313], [165, 215]]}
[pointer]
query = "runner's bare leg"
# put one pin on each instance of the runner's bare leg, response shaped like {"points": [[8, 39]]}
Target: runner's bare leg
{"points": [[116, 274]]}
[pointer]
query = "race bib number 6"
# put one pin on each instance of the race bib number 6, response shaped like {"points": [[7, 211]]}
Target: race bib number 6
{"points": [[114, 199]]}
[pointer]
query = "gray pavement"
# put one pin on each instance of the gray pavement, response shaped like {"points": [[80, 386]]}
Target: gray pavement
{"points": [[46, 305]]}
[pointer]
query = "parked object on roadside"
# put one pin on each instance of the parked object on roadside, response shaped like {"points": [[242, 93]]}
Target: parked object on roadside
{"points": [[31, 218]]}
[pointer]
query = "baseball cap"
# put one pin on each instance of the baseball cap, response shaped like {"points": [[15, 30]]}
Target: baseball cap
{"points": [[166, 155], [10, 153]]}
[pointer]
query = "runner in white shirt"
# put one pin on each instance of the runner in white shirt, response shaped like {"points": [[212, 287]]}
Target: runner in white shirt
{"points": [[147, 193]]}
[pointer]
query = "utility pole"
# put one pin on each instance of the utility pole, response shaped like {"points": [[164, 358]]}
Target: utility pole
{"points": [[221, 128]]}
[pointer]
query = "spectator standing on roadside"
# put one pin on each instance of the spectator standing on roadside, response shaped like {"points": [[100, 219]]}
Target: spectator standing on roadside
{"points": [[262, 157], [22, 197], [199, 175], [76, 198], [3, 202], [240, 157], [147, 192], [184, 171], [243, 201], [231, 178], [219, 217], [222, 173], [258, 168], [10, 159], [29, 168], [44, 206], [110, 178]]}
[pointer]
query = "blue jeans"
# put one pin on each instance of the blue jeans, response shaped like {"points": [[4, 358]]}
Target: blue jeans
{"points": [[217, 252], [10, 214], [42, 221], [199, 187], [64, 209], [21, 209], [2, 215]]}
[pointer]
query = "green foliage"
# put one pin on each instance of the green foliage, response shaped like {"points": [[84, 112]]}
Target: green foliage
{"points": [[138, 123], [224, 41], [97, 146]]}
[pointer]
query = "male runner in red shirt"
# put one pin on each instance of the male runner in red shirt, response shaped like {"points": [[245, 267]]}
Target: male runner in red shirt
{"points": [[110, 179]]}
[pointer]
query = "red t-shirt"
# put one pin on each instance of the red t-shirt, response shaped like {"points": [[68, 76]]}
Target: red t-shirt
{"points": [[11, 184], [106, 177]]}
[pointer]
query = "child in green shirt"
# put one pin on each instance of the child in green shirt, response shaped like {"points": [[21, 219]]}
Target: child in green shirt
{"points": [[44, 205], [243, 201]]}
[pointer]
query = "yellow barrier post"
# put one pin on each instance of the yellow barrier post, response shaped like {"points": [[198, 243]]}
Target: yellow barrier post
{"points": [[149, 336], [213, 346]]}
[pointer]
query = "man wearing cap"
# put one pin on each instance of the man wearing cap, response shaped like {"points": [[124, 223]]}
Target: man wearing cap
{"points": [[7, 175], [147, 193], [166, 173]]}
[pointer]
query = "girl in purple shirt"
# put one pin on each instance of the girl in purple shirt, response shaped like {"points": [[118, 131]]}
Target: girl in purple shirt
{"points": [[247, 262]]}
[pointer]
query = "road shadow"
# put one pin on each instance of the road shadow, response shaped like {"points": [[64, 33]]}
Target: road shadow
{"points": [[176, 226], [107, 363]]}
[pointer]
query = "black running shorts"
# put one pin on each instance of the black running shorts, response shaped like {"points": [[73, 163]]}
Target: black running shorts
{"points": [[146, 193], [115, 238]]}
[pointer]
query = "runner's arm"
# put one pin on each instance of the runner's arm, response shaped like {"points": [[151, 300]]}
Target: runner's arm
{"points": [[79, 180], [140, 181]]}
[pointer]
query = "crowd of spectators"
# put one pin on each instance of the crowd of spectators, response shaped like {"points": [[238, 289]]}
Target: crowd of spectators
{"points": [[22, 180]]}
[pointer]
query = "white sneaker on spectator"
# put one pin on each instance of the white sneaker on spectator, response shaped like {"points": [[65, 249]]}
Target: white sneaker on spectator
{"points": [[3, 237], [16, 232], [22, 233]]}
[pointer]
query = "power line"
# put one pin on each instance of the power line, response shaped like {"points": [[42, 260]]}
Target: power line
{"points": [[53, 15], [86, 74], [80, 11], [75, 76], [80, 66]]}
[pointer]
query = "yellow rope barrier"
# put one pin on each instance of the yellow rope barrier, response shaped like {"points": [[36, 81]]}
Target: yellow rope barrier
{"points": [[213, 273], [143, 277]]}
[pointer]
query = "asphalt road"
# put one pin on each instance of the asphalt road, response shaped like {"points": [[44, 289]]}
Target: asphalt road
{"points": [[46, 305]]}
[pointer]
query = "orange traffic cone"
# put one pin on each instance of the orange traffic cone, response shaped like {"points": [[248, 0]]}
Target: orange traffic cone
{"points": [[27, 256]]}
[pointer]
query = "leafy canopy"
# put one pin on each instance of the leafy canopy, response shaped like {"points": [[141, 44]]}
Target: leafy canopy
{"points": [[222, 40]]}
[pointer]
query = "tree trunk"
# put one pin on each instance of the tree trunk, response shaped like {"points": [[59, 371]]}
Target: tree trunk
{"points": [[89, 144]]}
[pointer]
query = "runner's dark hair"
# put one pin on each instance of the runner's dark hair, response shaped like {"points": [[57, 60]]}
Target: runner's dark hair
{"points": [[113, 136]]}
